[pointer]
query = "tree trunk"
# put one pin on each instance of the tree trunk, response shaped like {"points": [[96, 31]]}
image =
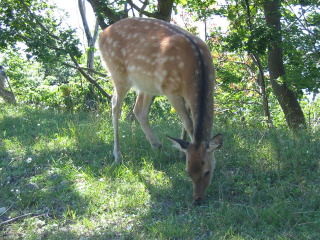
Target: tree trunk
{"points": [[91, 40], [261, 79], [164, 10], [8, 96], [91, 50], [286, 97], [91, 97], [262, 84]]}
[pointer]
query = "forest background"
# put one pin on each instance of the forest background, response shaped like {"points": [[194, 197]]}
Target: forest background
{"points": [[57, 138]]}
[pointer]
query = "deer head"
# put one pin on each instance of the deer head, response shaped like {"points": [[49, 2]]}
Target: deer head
{"points": [[200, 163]]}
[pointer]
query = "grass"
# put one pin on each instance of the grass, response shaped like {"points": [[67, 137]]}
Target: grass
{"points": [[58, 167]]}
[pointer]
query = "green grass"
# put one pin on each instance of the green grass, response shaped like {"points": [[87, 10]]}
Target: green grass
{"points": [[266, 184]]}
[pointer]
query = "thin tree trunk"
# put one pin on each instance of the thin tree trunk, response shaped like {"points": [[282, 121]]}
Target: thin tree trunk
{"points": [[91, 40], [8, 96], [165, 9], [205, 29], [261, 79], [91, 50], [286, 97], [262, 84]]}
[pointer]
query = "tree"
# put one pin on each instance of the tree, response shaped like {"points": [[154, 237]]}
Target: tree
{"points": [[286, 97], [91, 39], [256, 28], [32, 23], [108, 13]]}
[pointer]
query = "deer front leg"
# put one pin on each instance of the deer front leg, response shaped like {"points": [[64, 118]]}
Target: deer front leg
{"points": [[141, 111], [117, 100], [179, 105]]}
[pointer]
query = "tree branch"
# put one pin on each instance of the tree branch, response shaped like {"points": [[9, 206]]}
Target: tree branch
{"points": [[144, 5], [141, 10], [89, 78], [100, 7], [87, 69]]}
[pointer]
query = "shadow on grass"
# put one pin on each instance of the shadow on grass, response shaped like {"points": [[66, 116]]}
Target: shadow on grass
{"points": [[265, 185], [262, 188], [37, 177]]}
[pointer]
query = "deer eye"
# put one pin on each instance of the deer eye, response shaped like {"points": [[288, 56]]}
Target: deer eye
{"points": [[206, 174]]}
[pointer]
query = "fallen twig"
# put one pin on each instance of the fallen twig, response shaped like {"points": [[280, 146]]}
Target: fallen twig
{"points": [[23, 216], [6, 210]]}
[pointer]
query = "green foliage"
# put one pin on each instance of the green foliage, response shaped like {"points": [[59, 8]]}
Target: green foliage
{"points": [[32, 22], [249, 33], [265, 185], [246, 30], [200, 9], [33, 84], [301, 47]]}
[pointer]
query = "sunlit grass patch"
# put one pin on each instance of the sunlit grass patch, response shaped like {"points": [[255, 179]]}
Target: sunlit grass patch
{"points": [[14, 148], [57, 142], [154, 177]]}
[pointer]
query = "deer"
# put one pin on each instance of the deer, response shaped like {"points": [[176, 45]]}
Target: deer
{"points": [[158, 58]]}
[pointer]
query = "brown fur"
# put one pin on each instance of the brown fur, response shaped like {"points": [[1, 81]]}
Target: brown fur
{"points": [[157, 58]]}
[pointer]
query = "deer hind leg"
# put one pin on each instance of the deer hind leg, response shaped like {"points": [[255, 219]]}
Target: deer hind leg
{"points": [[117, 100], [141, 111], [179, 105]]}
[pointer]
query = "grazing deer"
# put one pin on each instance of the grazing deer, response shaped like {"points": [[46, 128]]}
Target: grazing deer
{"points": [[158, 58]]}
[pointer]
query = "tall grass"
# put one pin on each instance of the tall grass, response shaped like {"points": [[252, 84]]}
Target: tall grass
{"points": [[58, 166]]}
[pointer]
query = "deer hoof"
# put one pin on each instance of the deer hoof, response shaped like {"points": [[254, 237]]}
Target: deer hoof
{"points": [[156, 145]]}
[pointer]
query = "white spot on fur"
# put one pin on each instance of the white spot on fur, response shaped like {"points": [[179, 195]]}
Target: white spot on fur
{"points": [[163, 59], [132, 68], [109, 40]]}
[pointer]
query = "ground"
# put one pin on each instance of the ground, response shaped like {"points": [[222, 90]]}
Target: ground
{"points": [[57, 168]]}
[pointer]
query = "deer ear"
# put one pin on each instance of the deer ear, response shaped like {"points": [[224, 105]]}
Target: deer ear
{"points": [[179, 144], [215, 143]]}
